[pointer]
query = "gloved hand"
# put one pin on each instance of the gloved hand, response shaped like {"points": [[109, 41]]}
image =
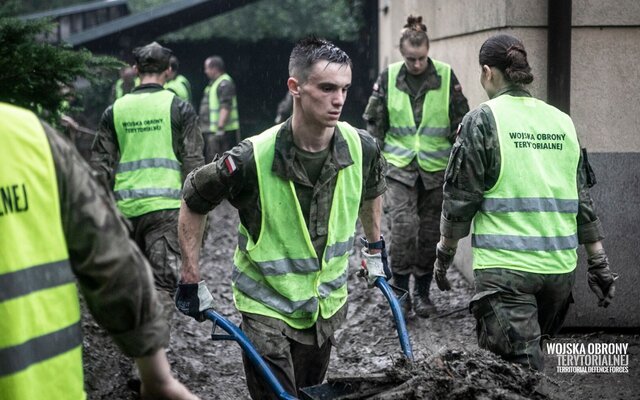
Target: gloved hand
{"points": [[600, 278], [444, 258], [220, 132], [379, 245], [193, 298], [372, 266]]}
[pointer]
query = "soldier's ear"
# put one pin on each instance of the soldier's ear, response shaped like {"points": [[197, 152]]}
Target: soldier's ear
{"points": [[293, 86]]}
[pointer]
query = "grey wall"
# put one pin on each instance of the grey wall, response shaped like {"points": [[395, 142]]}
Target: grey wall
{"points": [[605, 107]]}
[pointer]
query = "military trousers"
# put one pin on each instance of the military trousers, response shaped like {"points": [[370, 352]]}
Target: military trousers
{"points": [[515, 311], [156, 234], [295, 365], [218, 144], [413, 213]]}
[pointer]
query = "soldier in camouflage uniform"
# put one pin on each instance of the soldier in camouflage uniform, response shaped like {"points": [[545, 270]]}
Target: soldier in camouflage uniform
{"points": [[112, 274], [158, 138], [414, 199], [218, 110], [529, 195], [310, 159]]}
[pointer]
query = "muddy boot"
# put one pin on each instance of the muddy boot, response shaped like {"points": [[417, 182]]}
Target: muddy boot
{"points": [[422, 305], [402, 281]]}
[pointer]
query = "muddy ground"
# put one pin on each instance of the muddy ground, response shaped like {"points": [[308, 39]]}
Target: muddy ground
{"points": [[448, 363]]}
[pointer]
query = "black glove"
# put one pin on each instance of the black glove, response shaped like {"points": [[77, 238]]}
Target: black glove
{"points": [[193, 298], [444, 258], [379, 245], [600, 278]]}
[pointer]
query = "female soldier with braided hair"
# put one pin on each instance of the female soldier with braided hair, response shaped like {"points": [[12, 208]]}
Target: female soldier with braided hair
{"points": [[517, 171], [415, 109]]}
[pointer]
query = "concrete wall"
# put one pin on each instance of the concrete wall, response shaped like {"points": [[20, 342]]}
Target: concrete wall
{"points": [[605, 106]]}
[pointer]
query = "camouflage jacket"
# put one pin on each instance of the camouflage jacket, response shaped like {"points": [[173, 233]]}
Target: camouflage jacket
{"points": [[206, 187], [187, 140], [113, 275], [376, 116], [226, 92], [474, 167]]}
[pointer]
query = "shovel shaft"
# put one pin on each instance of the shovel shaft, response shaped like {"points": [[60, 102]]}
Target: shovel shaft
{"points": [[238, 336], [398, 317]]}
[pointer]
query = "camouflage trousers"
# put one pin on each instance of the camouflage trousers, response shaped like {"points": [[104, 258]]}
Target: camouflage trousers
{"points": [[218, 144], [295, 365], [156, 234], [515, 311], [414, 218]]}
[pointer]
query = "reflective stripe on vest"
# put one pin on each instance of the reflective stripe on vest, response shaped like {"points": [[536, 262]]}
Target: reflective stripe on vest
{"points": [[280, 275], [527, 221], [429, 141], [40, 333], [148, 176], [214, 106], [180, 86]]}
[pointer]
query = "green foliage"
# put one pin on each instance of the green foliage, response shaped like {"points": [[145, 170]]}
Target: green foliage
{"points": [[33, 73], [281, 19]]}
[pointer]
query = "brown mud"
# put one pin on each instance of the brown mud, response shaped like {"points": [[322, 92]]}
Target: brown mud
{"points": [[448, 363]]}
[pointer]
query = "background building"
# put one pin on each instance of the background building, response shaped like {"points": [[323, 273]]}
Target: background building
{"points": [[594, 48]]}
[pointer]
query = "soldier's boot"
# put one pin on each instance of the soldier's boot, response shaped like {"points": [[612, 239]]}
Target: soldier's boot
{"points": [[422, 304], [402, 281]]}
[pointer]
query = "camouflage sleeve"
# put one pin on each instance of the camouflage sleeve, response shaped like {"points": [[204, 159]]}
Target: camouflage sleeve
{"points": [[458, 106], [473, 167], [589, 226], [373, 166], [114, 277], [375, 114], [105, 151], [226, 92], [224, 178], [187, 139]]}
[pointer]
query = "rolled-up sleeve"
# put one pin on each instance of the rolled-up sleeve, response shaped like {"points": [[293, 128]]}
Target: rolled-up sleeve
{"points": [[223, 178], [113, 275]]}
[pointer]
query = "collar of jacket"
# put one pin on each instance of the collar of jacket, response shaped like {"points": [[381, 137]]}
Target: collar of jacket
{"points": [[283, 160], [433, 79], [512, 90], [147, 87]]}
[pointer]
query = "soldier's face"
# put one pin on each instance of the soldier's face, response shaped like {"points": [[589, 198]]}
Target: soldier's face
{"points": [[323, 94], [415, 57]]}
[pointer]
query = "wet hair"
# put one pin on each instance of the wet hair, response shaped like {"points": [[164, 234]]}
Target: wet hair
{"points": [[309, 51], [507, 53], [414, 31], [174, 63], [215, 62]]}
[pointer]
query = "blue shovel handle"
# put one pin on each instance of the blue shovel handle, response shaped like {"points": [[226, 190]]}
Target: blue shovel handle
{"points": [[238, 336], [398, 318]]}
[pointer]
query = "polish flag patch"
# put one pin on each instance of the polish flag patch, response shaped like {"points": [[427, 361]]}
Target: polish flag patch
{"points": [[231, 165]]}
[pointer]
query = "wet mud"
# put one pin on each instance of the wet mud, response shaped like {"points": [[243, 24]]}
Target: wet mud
{"points": [[448, 363]]}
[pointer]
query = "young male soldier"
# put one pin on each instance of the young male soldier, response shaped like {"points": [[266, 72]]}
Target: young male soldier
{"points": [[149, 139], [177, 83], [218, 110], [60, 224], [299, 188]]}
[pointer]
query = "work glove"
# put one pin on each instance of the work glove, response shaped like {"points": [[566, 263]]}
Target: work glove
{"points": [[600, 278], [193, 298], [444, 258], [374, 265]]}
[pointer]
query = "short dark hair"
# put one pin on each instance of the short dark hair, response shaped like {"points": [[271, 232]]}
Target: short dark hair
{"points": [[215, 62], [507, 53], [310, 50], [174, 63]]}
